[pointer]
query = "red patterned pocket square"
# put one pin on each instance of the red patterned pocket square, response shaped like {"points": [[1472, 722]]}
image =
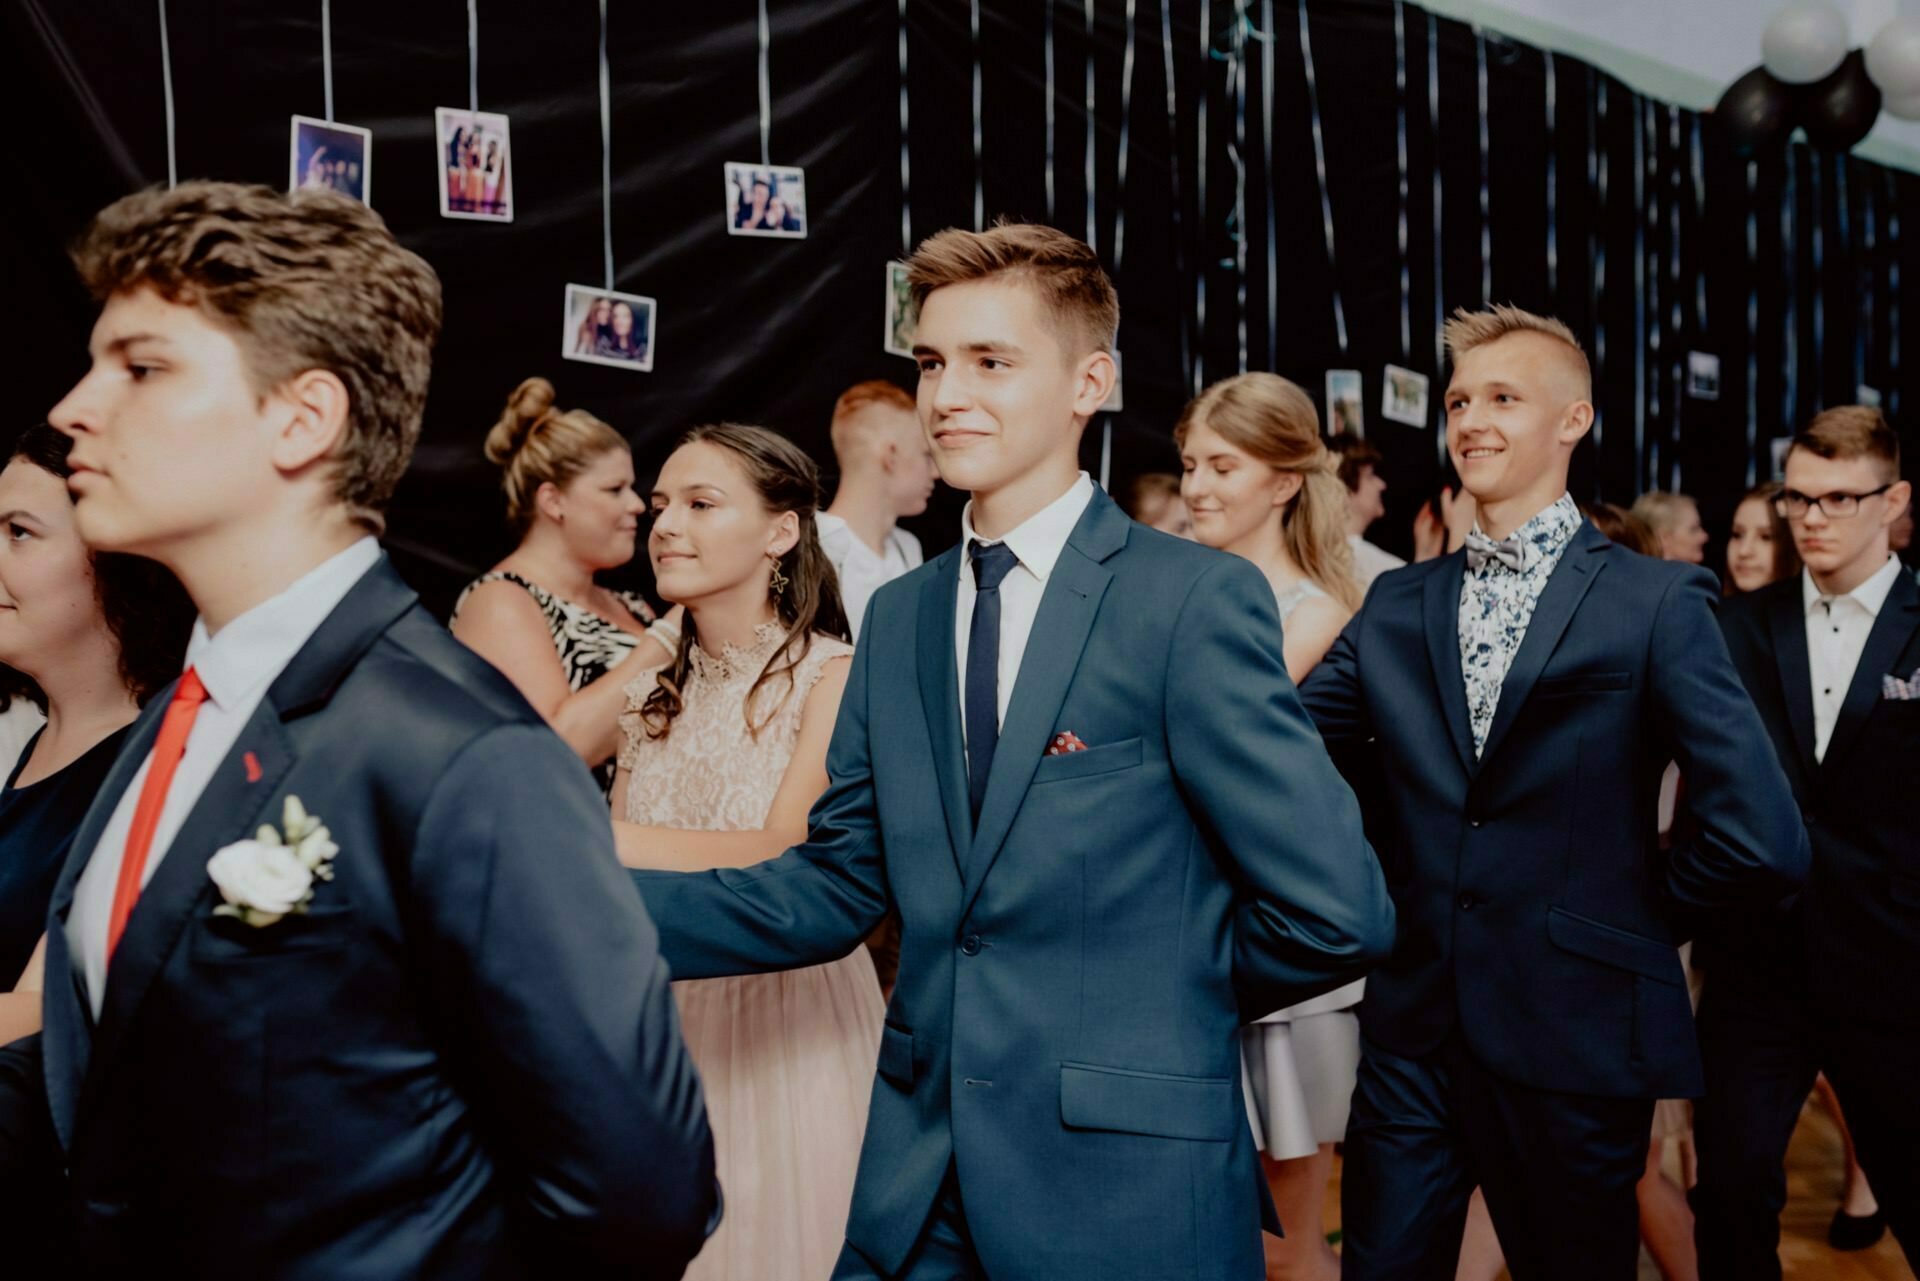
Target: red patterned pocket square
{"points": [[1065, 742]]}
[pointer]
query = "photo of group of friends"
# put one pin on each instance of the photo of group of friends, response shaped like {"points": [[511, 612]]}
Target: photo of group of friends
{"points": [[766, 200], [477, 183], [334, 156], [603, 327]]}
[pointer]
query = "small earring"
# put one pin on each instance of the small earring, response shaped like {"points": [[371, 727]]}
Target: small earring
{"points": [[778, 583]]}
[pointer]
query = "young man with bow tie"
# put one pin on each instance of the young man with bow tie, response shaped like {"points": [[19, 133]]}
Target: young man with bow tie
{"points": [[1522, 697], [1832, 983], [1069, 754]]}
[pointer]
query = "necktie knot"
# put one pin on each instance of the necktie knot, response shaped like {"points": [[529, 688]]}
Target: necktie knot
{"points": [[190, 690], [992, 562], [1481, 549]]}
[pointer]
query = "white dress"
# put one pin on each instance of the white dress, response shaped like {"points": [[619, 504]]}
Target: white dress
{"points": [[1298, 1064], [786, 1059]]}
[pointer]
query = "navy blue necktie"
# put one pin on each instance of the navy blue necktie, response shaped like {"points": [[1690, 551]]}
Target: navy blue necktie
{"points": [[992, 562]]}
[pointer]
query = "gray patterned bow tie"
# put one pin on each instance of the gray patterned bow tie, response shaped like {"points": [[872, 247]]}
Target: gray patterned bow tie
{"points": [[1481, 549]]}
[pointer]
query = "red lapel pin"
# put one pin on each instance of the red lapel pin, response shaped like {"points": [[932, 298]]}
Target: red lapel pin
{"points": [[254, 771]]}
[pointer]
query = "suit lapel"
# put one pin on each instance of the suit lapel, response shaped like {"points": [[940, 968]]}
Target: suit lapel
{"points": [[1060, 631], [1898, 618], [940, 700], [1442, 607], [1565, 589], [1787, 617]]}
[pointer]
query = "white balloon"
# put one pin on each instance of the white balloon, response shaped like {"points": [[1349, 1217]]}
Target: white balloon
{"points": [[1904, 107], [1893, 59], [1806, 41]]}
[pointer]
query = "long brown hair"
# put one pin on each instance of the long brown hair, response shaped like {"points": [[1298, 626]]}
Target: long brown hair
{"points": [[1786, 556], [786, 481], [1275, 421]]}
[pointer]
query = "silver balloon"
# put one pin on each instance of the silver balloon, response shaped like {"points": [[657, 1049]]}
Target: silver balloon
{"points": [[1893, 60], [1906, 107], [1804, 42]]}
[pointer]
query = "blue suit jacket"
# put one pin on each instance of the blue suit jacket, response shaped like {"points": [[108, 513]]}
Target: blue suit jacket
{"points": [[1073, 972], [462, 1062], [1537, 911]]}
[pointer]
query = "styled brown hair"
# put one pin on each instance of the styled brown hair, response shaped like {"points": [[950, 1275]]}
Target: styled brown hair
{"points": [[534, 444], [1355, 456], [850, 428], [307, 280], [1147, 497], [786, 481], [1065, 272], [147, 612], [1852, 431], [1275, 421], [1470, 329], [1623, 527]]}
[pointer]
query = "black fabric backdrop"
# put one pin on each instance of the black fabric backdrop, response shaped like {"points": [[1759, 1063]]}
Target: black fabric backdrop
{"points": [[1797, 263]]}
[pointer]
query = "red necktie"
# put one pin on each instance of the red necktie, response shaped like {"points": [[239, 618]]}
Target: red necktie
{"points": [[168, 748]]}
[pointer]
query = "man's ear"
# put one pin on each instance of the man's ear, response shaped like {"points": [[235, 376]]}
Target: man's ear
{"points": [[1577, 422], [1899, 495], [316, 421], [1097, 374], [889, 456]]}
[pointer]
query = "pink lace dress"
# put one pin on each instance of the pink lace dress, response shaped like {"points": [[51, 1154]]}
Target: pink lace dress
{"points": [[787, 1059]]}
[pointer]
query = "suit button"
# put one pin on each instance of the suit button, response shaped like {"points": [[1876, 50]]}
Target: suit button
{"points": [[971, 945], [1475, 823], [1467, 901]]}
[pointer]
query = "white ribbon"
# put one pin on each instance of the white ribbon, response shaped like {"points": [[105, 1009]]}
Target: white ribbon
{"points": [[606, 151], [326, 53], [166, 91]]}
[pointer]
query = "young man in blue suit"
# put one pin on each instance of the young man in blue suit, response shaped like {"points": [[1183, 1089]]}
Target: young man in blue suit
{"points": [[343, 979], [1068, 753], [1521, 698]]}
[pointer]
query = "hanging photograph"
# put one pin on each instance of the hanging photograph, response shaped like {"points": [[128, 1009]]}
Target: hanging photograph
{"points": [[1114, 402], [903, 317], [1778, 448], [476, 180], [1344, 410], [603, 327], [1703, 375], [766, 200], [1403, 397], [336, 156], [1865, 395]]}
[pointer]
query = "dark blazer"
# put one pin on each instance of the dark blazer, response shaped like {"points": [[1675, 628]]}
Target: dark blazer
{"points": [[1854, 936], [462, 1062], [1073, 971], [1537, 913]]}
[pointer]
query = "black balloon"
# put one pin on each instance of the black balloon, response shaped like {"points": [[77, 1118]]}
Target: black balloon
{"points": [[1757, 112], [1839, 111]]}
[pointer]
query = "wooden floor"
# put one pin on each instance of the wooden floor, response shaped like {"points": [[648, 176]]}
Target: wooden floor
{"points": [[1814, 1173]]}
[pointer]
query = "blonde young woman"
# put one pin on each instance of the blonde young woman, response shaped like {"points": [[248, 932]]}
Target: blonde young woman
{"points": [[1260, 484], [569, 644]]}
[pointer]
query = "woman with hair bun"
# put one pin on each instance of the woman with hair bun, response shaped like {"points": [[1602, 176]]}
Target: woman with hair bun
{"points": [[570, 645], [1261, 484]]}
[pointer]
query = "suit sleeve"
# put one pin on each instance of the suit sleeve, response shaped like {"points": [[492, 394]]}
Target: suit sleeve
{"points": [[1313, 910], [1747, 843], [813, 904], [549, 976], [1332, 694]]}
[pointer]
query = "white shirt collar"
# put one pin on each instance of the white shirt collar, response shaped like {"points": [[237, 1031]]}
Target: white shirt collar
{"points": [[1041, 537], [257, 646], [1870, 595]]}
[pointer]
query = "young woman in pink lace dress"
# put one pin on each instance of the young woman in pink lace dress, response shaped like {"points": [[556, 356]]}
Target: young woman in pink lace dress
{"points": [[724, 751]]}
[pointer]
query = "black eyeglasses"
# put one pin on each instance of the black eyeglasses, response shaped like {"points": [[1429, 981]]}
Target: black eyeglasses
{"points": [[1794, 505]]}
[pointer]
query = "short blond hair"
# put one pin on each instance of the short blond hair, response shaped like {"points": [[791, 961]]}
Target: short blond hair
{"points": [[1066, 273], [1470, 329], [856, 433], [1662, 510]]}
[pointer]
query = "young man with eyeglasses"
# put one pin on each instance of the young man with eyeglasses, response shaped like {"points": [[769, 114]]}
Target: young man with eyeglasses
{"points": [[1831, 982]]}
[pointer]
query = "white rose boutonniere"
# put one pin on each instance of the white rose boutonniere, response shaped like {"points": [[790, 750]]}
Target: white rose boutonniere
{"points": [[273, 874]]}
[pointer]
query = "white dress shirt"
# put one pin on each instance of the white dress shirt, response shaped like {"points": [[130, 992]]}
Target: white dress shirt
{"points": [[1369, 562], [861, 570], [236, 666], [1037, 543], [1837, 628]]}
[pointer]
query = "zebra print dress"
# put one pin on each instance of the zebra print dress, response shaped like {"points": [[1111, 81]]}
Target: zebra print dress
{"points": [[588, 645]]}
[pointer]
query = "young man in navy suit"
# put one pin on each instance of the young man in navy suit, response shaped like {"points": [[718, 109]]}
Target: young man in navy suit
{"points": [[1068, 753], [343, 979], [1832, 982], [1522, 698]]}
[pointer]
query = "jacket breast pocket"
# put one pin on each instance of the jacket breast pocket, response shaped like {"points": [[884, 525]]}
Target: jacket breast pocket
{"points": [[1160, 1104], [228, 939], [1105, 759], [1577, 683]]}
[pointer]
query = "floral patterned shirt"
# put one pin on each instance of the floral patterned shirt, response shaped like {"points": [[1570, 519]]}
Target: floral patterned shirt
{"points": [[1497, 603]]}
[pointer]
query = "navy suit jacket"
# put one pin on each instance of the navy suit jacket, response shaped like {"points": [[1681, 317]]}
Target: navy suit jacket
{"points": [[1853, 938], [1073, 971], [464, 1061], [1537, 912]]}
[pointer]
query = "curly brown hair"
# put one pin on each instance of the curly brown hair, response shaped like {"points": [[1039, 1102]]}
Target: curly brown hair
{"points": [[146, 610], [307, 280]]}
